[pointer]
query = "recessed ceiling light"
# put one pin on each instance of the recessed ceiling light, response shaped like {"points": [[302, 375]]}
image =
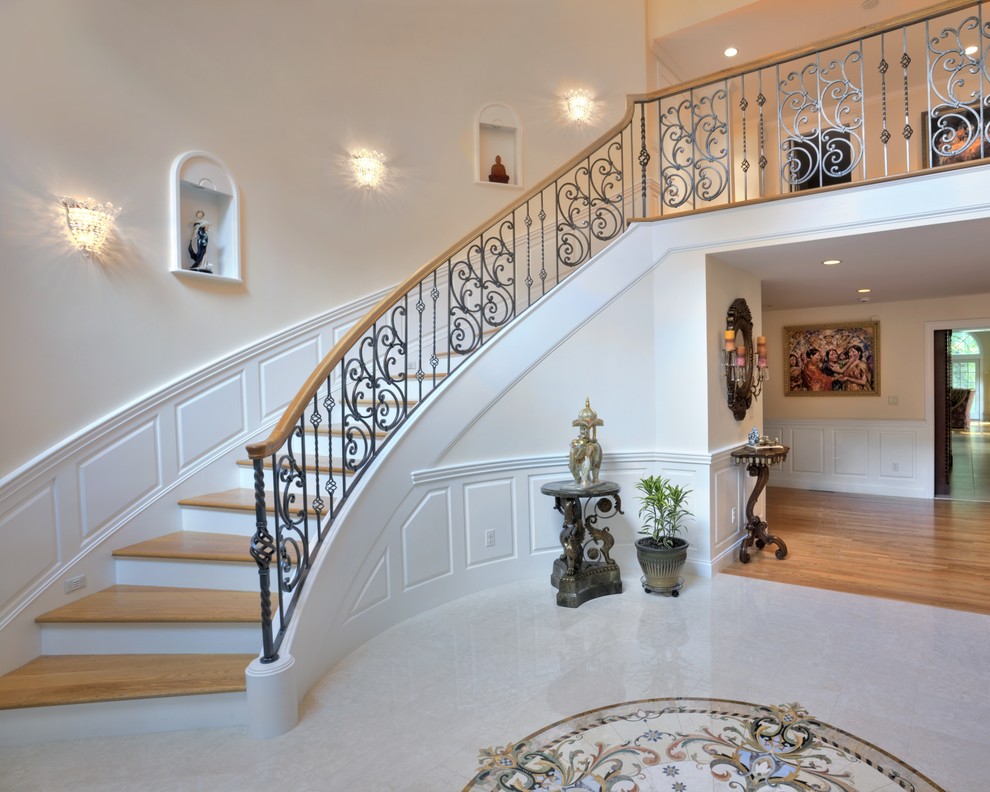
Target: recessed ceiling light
{"points": [[831, 262], [972, 49], [864, 291], [868, 4], [731, 52]]}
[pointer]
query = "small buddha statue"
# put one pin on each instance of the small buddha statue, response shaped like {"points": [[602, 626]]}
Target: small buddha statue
{"points": [[498, 173]]}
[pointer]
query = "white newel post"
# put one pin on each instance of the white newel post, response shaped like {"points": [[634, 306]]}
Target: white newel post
{"points": [[273, 704]]}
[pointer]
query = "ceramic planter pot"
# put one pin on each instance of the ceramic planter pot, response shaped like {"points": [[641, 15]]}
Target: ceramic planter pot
{"points": [[661, 565]]}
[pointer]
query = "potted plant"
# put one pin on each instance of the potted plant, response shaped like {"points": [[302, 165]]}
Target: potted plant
{"points": [[662, 553]]}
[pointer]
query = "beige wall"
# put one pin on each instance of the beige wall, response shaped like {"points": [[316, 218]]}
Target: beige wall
{"points": [[99, 98], [902, 356]]}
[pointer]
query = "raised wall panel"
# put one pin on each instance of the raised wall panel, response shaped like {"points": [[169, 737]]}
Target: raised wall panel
{"points": [[897, 454], [545, 522], [376, 588], [117, 477], [807, 454], [31, 529], [489, 506], [852, 452], [282, 375], [426, 540], [210, 418], [727, 497]]}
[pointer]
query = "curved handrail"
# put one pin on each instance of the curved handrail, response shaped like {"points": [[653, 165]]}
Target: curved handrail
{"points": [[800, 120], [305, 394]]}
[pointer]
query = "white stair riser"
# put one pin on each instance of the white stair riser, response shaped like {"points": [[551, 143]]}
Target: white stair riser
{"points": [[112, 718], [246, 480], [234, 522], [230, 576], [130, 638]]}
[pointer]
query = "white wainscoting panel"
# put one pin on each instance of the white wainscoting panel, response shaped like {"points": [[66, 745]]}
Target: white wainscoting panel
{"points": [[426, 540], [852, 452], [897, 455], [860, 456], [207, 420], [545, 523], [118, 476], [376, 588], [283, 373], [29, 532], [489, 507], [807, 451]]}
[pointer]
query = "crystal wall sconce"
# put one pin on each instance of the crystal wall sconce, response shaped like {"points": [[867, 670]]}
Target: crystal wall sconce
{"points": [[89, 222], [579, 106], [368, 168]]}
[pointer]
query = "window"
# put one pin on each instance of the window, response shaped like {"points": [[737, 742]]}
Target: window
{"points": [[966, 368]]}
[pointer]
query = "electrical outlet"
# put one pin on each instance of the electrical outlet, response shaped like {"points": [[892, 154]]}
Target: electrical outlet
{"points": [[892, 400], [732, 516], [74, 584], [895, 467], [490, 537]]}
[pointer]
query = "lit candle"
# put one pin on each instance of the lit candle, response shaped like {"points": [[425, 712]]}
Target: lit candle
{"points": [[730, 340], [740, 355]]}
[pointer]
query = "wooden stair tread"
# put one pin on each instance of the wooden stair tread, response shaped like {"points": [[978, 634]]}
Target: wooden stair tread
{"points": [[122, 604], [191, 546], [78, 679], [241, 499]]}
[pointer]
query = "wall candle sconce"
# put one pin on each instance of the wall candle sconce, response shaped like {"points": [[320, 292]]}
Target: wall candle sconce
{"points": [[369, 168], [89, 222], [743, 380], [579, 106]]}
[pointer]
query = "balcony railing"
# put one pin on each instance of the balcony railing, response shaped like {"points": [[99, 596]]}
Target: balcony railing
{"points": [[884, 102]]}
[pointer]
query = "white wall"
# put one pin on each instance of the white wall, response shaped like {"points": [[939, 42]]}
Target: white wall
{"points": [[99, 98]]}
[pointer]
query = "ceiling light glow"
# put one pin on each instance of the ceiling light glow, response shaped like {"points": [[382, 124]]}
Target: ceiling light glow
{"points": [[731, 52], [831, 262]]}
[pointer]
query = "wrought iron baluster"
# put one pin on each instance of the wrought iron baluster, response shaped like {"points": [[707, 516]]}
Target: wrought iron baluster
{"points": [[262, 551], [907, 132], [761, 100], [744, 165], [434, 360], [884, 132], [644, 152]]}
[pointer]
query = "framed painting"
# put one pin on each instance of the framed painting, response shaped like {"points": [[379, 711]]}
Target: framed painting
{"points": [[956, 135], [838, 359]]}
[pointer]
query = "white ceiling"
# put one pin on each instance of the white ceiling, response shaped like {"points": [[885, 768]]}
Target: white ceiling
{"points": [[934, 261]]}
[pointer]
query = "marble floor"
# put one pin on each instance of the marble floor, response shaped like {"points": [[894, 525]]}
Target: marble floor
{"points": [[411, 709]]}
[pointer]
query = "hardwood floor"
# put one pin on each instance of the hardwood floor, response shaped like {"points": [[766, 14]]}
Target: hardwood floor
{"points": [[970, 477], [931, 552]]}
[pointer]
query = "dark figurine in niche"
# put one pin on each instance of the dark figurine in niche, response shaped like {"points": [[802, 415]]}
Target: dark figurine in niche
{"points": [[198, 241], [498, 173]]}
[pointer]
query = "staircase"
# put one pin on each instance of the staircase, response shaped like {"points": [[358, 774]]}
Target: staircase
{"points": [[166, 646], [181, 623]]}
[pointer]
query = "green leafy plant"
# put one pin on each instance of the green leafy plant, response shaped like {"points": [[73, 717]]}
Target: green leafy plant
{"points": [[662, 509]]}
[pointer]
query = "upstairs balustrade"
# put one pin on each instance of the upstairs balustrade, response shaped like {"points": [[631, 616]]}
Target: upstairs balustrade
{"points": [[884, 102]]}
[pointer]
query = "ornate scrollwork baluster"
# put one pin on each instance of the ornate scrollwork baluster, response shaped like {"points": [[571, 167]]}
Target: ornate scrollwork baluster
{"points": [[958, 119]]}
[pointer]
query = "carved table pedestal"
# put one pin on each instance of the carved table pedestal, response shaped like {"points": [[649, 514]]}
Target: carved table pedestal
{"points": [[584, 569]]}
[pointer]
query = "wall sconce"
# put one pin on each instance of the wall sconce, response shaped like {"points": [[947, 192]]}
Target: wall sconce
{"points": [[89, 222], [743, 380], [368, 168], [578, 106]]}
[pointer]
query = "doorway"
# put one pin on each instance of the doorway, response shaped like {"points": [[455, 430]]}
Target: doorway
{"points": [[962, 436]]}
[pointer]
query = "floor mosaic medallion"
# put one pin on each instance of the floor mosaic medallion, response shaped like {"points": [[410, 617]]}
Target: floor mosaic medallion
{"points": [[690, 745]]}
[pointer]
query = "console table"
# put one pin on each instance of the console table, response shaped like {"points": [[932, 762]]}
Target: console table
{"points": [[758, 461], [585, 569]]}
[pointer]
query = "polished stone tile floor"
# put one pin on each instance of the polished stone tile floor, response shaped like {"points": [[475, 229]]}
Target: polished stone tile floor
{"points": [[412, 708]]}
